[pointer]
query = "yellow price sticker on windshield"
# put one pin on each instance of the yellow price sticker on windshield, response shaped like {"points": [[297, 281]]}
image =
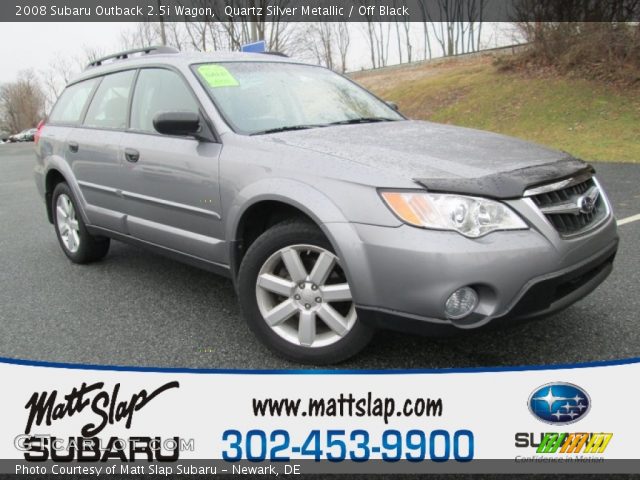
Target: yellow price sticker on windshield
{"points": [[217, 76]]}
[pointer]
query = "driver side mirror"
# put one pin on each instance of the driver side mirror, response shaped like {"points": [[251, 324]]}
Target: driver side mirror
{"points": [[393, 105], [177, 123]]}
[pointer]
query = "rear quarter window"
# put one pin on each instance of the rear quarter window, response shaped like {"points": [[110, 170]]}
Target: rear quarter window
{"points": [[70, 105], [110, 103]]}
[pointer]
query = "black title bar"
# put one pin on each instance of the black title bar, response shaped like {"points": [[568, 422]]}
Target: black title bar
{"points": [[320, 11]]}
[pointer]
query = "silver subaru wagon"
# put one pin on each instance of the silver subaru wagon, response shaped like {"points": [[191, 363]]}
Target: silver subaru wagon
{"points": [[332, 213]]}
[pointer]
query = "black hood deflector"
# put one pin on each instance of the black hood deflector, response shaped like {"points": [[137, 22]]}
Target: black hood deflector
{"points": [[510, 184]]}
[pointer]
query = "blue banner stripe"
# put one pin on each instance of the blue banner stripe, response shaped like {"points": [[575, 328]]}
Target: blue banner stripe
{"points": [[233, 371]]}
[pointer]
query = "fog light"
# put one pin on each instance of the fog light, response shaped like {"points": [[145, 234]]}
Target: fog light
{"points": [[461, 303]]}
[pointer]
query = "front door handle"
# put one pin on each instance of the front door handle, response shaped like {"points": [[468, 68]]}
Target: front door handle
{"points": [[131, 155], [73, 147]]}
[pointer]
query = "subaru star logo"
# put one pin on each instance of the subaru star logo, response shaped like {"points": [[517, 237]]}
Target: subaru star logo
{"points": [[586, 204], [559, 403]]}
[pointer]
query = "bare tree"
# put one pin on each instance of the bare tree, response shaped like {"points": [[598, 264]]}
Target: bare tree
{"points": [[144, 34], [398, 35], [370, 31], [343, 40], [320, 42], [371, 35], [252, 27], [240, 32], [426, 40], [161, 25], [56, 76], [384, 35], [445, 32], [461, 28], [406, 24], [592, 39], [90, 54], [62, 69], [175, 35], [326, 43], [475, 12], [218, 35], [378, 34], [141, 35], [197, 33], [22, 102]]}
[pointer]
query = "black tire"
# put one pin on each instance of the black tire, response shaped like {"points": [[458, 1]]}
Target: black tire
{"points": [[276, 238], [91, 248]]}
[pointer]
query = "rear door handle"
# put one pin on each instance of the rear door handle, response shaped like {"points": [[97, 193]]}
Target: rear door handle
{"points": [[131, 155], [73, 147]]}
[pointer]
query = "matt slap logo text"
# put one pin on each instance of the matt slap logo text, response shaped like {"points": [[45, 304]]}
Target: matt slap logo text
{"points": [[106, 407]]}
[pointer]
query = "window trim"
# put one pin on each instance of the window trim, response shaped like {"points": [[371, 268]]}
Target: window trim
{"points": [[134, 83], [88, 104]]}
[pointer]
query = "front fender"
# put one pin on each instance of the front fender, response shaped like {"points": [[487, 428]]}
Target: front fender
{"points": [[298, 194], [316, 205]]}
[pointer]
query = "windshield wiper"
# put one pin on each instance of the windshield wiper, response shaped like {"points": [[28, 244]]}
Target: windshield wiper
{"points": [[352, 121], [286, 128]]}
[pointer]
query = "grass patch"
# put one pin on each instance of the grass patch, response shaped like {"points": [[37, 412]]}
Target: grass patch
{"points": [[588, 119]]}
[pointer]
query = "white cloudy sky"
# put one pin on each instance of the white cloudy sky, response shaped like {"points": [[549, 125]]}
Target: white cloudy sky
{"points": [[35, 45]]}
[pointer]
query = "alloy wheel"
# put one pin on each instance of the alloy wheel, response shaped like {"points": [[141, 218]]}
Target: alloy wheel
{"points": [[67, 223], [304, 297]]}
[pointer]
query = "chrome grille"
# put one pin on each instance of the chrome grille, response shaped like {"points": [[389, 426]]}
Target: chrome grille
{"points": [[575, 207]]}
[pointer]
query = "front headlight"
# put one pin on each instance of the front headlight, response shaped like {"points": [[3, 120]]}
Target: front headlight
{"points": [[471, 216]]}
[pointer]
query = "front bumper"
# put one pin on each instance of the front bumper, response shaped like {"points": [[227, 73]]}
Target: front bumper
{"points": [[401, 277]]}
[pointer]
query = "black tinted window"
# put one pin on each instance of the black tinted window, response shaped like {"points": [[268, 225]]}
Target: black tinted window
{"points": [[109, 106], [70, 105], [159, 90]]}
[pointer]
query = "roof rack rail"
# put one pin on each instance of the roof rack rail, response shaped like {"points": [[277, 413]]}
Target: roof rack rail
{"points": [[124, 55], [279, 54]]}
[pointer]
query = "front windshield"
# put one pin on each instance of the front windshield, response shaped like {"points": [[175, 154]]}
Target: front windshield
{"points": [[263, 97]]}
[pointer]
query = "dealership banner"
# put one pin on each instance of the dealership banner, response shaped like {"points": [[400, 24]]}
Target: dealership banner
{"points": [[60, 419]]}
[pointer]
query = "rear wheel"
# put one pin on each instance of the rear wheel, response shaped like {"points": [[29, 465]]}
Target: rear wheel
{"points": [[296, 297], [76, 242]]}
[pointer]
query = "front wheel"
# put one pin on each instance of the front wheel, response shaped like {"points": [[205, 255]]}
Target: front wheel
{"points": [[296, 298]]}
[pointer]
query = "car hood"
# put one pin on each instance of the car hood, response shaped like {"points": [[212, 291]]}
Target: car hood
{"points": [[440, 157]]}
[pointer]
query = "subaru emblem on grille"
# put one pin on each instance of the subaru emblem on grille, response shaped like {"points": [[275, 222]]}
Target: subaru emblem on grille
{"points": [[587, 202], [584, 204], [573, 208]]}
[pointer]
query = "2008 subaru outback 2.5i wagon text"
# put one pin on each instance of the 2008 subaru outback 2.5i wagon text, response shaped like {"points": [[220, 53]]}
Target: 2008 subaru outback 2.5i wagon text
{"points": [[332, 213]]}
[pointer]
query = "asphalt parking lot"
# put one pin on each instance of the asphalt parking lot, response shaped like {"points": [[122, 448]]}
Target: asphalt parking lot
{"points": [[137, 308]]}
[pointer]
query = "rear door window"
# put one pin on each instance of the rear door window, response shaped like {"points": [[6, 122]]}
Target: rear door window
{"points": [[110, 103], [159, 90], [70, 105]]}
